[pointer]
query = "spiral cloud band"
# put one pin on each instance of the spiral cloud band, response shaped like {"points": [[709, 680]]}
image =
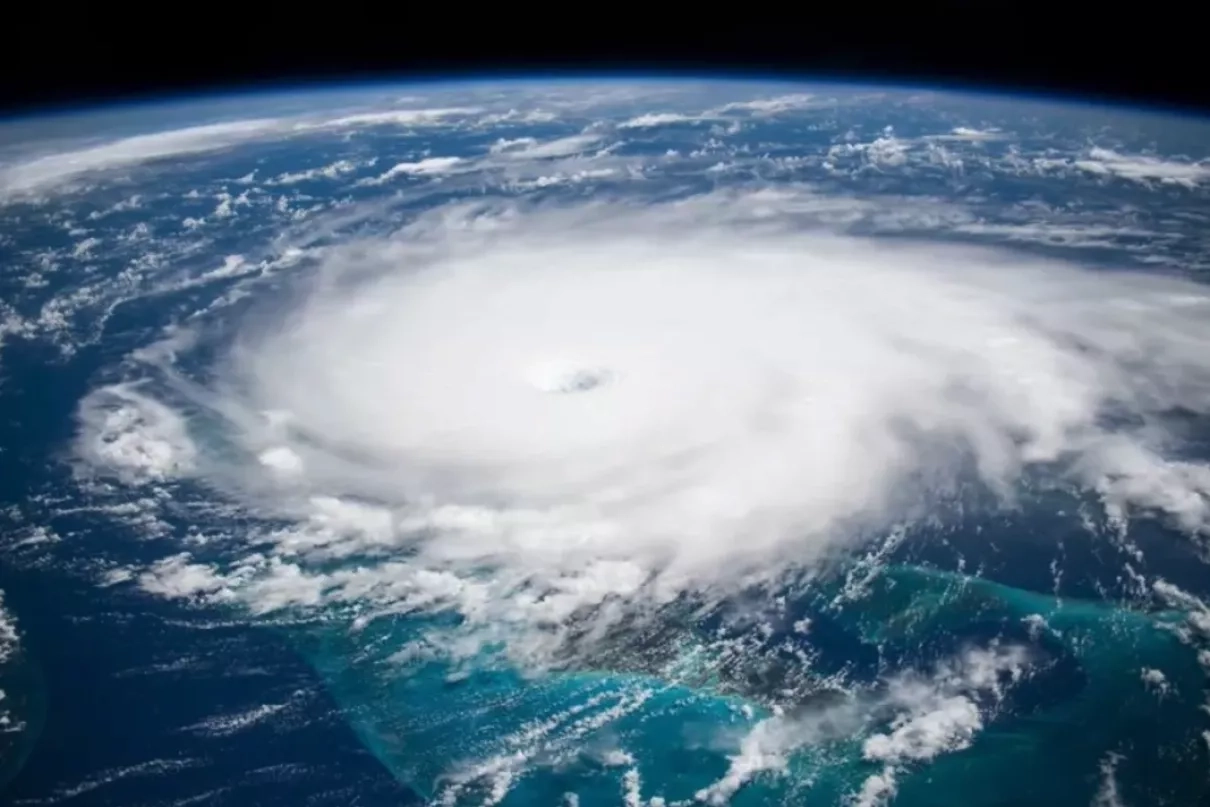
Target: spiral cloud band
{"points": [[630, 400]]}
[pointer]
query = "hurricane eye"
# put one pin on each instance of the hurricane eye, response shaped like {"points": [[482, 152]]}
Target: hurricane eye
{"points": [[564, 378]]}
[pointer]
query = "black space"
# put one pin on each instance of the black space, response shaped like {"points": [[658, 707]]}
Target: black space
{"points": [[1153, 54]]}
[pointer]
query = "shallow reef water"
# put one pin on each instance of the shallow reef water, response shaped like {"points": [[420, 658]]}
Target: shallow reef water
{"points": [[950, 680]]}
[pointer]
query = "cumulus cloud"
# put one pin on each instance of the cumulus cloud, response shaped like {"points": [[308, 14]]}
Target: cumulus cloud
{"points": [[332, 171], [9, 640], [622, 401], [429, 166], [773, 106], [888, 150], [397, 117], [8, 632], [885, 150], [941, 713], [1108, 793], [916, 717], [133, 436]]}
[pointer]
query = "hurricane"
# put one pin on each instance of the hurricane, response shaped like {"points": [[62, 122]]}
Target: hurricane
{"points": [[575, 480], [538, 438]]}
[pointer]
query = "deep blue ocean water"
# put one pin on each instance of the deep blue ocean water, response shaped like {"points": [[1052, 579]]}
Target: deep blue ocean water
{"points": [[113, 681]]}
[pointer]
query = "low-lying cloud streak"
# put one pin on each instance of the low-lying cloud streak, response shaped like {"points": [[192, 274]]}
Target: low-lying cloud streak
{"points": [[61, 168]]}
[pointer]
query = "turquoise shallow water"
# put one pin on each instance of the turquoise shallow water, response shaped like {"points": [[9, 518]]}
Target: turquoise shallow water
{"points": [[1087, 703], [674, 727]]}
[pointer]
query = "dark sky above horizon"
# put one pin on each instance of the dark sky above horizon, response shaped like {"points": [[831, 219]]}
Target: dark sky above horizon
{"points": [[100, 54]]}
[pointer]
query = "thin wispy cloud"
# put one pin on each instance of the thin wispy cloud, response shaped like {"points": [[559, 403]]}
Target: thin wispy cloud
{"points": [[1144, 168], [40, 173]]}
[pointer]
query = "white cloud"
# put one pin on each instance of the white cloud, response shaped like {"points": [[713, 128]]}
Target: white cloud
{"points": [[1108, 793], [655, 119], [1067, 235], [558, 736], [763, 750], [153, 767], [877, 790], [429, 166], [937, 714], [758, 107], [281, 459], [773, 106], [332, 171], [227, 724], [949, 724], [233, 266], [9, 643], [83, 248], [549, 180], [940, 713], [1130, 473], [1144, 168], [1156, 681], [515, 116], [31, 175], [927, 713], [8, 632], [127, 433], [46, 172], [968, 134], [529, 149], [227, 203], [505, 144], [1196, 629], [178, 577], [12, 324], [888, 150]]}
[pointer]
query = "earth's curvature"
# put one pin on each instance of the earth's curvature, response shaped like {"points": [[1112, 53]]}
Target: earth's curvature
{"points": [[611, 442]]}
